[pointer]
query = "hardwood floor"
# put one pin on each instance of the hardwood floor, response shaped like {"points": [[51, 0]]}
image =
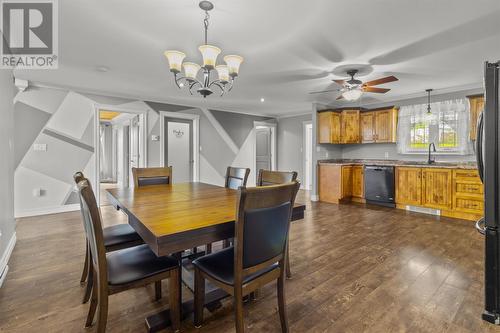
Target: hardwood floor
{"points": [[355, 268]]}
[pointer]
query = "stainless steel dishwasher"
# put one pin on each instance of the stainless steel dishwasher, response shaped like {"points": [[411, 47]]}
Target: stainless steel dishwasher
{"points": [[379, 185]]}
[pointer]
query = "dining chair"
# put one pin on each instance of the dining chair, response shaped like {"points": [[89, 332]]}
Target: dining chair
{"points": [[152, 176], [116, 237], [268, 177], [125, 269], [259, 252]]}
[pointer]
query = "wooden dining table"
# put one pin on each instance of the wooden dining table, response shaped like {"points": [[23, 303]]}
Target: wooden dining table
{"points": [[177, 217]]}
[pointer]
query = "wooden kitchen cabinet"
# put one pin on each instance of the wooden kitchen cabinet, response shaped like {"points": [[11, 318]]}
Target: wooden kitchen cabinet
{"points": [[334, 182], [346, 181], [358, 181], [349, 130], [437, 188], [468, 192], [328, 127], [476, 104], [379, 125], [408, 186], [367, 127]]}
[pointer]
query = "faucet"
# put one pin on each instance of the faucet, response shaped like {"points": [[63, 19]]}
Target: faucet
{"points": [[431, 159]]}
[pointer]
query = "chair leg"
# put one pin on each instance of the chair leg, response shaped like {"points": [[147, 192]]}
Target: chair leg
{"points": [[199, 297], [93, 305], [85, 272], [238, 310], [102, 316], [226, 243], [174, 301], [89, 286], [208, 248], [287, 264], [157, 290], [282, 303]]}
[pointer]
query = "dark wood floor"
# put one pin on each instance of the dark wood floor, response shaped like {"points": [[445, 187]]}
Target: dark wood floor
{"points": [[355, 269]]}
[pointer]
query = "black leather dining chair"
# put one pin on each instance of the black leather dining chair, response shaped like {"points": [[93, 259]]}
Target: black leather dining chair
{"points": [[115, 237], [258, 256], [152, 176]]}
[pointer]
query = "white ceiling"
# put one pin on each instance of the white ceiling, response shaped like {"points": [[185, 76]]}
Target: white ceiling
{"points": [[290, 47]]}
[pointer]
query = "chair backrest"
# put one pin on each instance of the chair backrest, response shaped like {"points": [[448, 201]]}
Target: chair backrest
{"points": [[236, 177], [152, 176], [93, 230], [268, 177], [262, 224]]}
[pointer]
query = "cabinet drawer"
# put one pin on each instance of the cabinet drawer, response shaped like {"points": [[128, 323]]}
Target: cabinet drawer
{"points": [[469, 175], [469, 205], [469, 188]]}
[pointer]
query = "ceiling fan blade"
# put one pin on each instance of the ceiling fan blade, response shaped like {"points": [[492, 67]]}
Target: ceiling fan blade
{"points": [[383, 80], [375, 90], [323, 91], [339, 82]]}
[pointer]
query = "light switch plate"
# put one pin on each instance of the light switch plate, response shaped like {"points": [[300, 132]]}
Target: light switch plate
{"points": [[155, 138], [40, 147]]}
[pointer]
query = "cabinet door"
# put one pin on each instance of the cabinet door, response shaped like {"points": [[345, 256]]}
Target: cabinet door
{"points": [[367, 128], [437, 188], [350, 126], [476, 107], [324, 127], [358, 181], [409, 186], [468, 192], [383, 126], [335, 127], [346, 181]]}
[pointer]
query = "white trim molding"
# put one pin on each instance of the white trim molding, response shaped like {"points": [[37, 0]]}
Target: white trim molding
{"points": [[48, 210], [4, 267], [196, 138]]}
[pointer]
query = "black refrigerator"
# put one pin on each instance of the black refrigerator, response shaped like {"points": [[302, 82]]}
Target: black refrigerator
{"points": [[488, 158]]}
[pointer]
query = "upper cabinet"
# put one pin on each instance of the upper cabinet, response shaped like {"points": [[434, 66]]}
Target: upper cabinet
{"points": [[476, 107], [385, 125], [349, 126], [328, 127], [367, 127]]}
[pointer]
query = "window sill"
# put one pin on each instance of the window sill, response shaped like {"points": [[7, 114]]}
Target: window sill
{"points": [[438, 153]]}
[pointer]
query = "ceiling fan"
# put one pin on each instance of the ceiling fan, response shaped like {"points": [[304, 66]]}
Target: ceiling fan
{"points": [[352, 89]]}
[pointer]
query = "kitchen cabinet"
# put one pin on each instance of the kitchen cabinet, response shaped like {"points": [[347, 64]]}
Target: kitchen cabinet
{"points": [[468, 192], [379, 125], [346, 181], [437, 188], [476, 104], [358, 181], [328, 127], [349, 130], [408, 184], [367, 127], [334, 182]]}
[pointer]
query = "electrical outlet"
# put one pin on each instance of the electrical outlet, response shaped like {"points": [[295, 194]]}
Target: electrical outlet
{"points": [[40, 147], [155, 138], [327, 155], [386, 154]]}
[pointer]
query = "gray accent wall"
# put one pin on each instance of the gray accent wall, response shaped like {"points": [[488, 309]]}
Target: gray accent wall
{"points": [[7, 222]]}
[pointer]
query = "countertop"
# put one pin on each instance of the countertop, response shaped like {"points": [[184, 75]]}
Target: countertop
{"points": [[418, 164]]}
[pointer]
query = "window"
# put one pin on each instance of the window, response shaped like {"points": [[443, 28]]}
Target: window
{"points": [[447, 127]]}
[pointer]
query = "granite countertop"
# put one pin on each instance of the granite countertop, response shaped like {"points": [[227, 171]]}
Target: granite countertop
{"points": [[420, 164]]}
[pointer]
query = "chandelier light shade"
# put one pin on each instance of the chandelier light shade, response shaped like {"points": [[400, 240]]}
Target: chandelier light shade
{"points": [[233, 63], [175, 59], [226, 73], [352, 94]]}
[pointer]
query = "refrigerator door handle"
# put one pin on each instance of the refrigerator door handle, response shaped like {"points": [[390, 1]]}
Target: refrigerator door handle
{"points": [[480, 226], [479, 146]]}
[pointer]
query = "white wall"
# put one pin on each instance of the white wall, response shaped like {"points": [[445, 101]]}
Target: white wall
{"points": [[7, 222]]}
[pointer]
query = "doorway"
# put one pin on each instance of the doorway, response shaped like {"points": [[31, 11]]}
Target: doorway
{"points": [[265, 146], [178, 152], [121, 146], [307, 151]]}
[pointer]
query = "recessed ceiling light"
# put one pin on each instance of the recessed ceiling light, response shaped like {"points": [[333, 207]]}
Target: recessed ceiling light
{"points": [[262, 100], [102, 69]]}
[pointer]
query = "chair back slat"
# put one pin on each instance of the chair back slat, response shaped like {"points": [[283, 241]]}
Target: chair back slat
{"points": [[268, 177], [152, 176], [236, 177], [262, 224]]}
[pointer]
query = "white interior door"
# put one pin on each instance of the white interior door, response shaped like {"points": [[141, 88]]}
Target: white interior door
{"points": [[308, 157], [263, 148], [134, 148], [178, 150]]}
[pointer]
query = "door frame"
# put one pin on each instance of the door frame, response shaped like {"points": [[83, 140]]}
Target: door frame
{"points": [[97, 147], [304, 150], [196, 139], [273, 127]]}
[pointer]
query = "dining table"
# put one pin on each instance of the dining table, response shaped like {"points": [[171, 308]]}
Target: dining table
{"points": [[177, 217]]}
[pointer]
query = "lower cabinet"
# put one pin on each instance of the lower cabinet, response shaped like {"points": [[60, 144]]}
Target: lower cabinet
{"points": [[335, 182], [408, 184], [468, 192], [437, 188], [358, 183]]}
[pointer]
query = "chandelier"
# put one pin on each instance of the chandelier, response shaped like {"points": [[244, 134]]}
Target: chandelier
{"points": [[226, 73]]}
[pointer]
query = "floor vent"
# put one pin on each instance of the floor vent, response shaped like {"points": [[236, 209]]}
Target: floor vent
{"points": [[424, 210]]}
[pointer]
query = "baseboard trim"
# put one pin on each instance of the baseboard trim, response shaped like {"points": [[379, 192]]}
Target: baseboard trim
{"points": [[314, 197], [4, 267], [49, 210]]}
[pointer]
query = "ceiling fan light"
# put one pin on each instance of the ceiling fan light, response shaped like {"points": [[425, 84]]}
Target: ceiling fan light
{"points": [[209, 54], [233, 63], [191, 70], [223, 72], [352, 94], [175, 59]]}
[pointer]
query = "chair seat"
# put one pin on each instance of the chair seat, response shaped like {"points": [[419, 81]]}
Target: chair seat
{"points": [[136, 263], [220, 266], [119, 234]]}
